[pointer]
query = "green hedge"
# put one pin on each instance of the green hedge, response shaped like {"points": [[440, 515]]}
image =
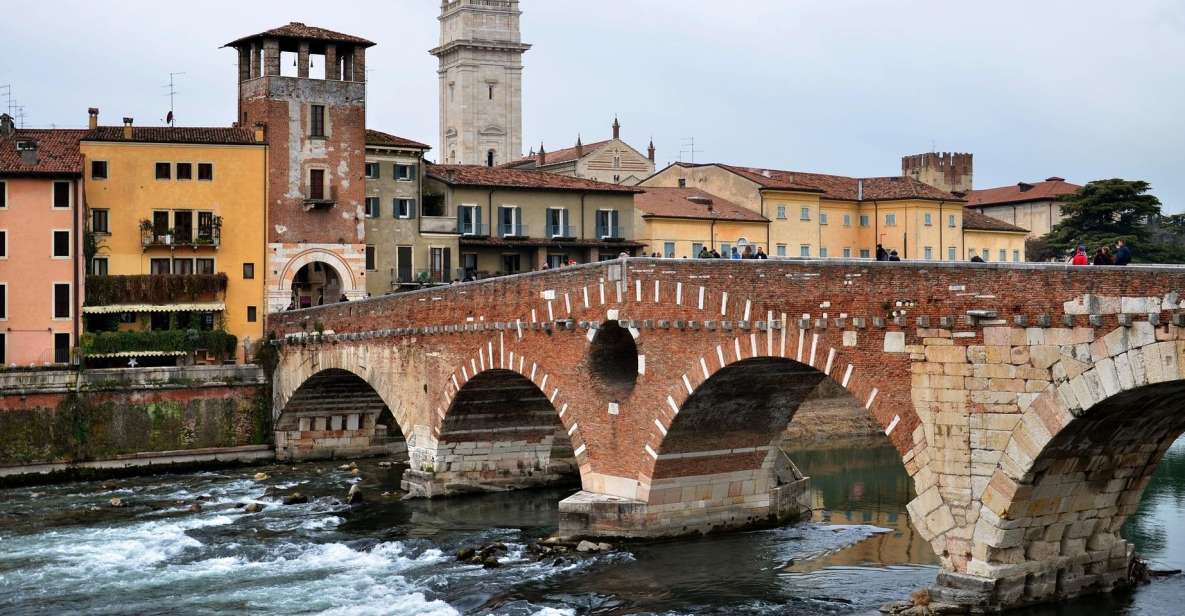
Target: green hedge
{"points": [[186, 340], [152, 288]]}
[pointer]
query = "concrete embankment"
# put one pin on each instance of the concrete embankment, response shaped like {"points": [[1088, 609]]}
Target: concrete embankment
{"points": [[67, 424]]}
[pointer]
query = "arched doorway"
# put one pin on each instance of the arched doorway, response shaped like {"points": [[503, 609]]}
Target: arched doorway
{"points": [[314, 284]]}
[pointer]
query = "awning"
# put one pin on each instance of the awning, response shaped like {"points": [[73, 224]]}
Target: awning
{"points": [[119, 308], [136, 354]]}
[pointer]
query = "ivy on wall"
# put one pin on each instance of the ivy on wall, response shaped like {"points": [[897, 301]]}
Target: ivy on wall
{"points": [[152, 288]]}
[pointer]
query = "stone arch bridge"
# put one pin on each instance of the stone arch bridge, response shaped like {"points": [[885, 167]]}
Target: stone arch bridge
{"points": [[1029, 404]]}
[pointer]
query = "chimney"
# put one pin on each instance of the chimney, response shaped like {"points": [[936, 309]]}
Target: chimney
{"points": [[860, 190], [127, 128], [7, 128], [260, 132], [541, 157], [579, 147], [650, 151], [93, 112], [1024, 186], [28, 151], [616, 128]]}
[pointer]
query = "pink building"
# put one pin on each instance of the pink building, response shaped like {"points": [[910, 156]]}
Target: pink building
{"points": [[41, 232]]}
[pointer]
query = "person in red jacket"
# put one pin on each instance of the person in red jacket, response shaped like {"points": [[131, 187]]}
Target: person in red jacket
{"points": [[1080, 257]]}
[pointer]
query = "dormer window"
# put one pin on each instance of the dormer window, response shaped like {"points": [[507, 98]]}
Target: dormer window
{"points": [[23, 145]]}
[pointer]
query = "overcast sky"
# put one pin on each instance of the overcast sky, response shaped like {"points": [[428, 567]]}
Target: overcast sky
{"points": [[1080, 89]]}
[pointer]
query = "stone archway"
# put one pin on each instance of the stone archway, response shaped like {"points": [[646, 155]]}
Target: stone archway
{"points": [[499, 432], [322, 264], [335, 413]]}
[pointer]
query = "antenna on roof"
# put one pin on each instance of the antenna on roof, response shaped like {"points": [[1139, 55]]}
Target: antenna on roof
{"points": [[689, 148], [20, 115], [7, 91], [171, 119]]}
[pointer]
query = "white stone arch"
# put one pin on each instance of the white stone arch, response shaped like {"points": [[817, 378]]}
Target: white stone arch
{"points": [[352, 286]]}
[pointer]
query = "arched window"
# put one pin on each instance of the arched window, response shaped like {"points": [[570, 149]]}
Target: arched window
{"points": [[490, 158]]}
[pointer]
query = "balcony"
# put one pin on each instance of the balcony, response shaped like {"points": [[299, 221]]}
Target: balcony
{"points": [[513, 231], [438, 224], [208, 235], [473, 229], [320, 199], [561, 232]]}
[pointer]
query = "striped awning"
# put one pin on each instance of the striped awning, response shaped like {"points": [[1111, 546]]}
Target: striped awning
{"points": [[120, 308], [136, 354]]}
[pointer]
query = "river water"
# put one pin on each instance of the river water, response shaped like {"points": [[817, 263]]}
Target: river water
{"points": [[65, 550]]}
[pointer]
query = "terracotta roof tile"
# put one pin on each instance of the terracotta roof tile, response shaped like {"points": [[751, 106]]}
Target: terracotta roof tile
{"points": [[374, 137], [297, 30], [480, 175], [693, 204], [974, 221], [57, 152], [1051, 188], [843, 187], [179, 134], [559, 156]]}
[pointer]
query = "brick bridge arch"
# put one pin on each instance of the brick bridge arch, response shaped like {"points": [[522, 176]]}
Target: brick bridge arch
{"points": [[955, 361]]}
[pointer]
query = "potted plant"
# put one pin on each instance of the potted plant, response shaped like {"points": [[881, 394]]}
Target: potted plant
{"points": [[169, 236]]}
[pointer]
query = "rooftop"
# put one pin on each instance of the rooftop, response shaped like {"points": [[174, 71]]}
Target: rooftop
{"points": [[559, 156], [374, 137], [974, 221], [691, 203], [179, 134], [297, 30], [839, 186], [1051, 188], [480, 175], [57, 152]]}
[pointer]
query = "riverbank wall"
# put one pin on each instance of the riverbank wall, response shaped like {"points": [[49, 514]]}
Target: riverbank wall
{"points": [[66, 423]]}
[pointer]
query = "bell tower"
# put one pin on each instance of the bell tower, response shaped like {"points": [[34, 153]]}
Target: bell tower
{"points": [[481, 69]]}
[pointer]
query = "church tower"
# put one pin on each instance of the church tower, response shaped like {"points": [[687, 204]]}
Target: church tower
{"points": [[481, 68]]}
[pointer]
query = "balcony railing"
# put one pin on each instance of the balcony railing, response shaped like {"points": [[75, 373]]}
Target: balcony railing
{"points": [[473, 229], [326, 198], [511, 230], [561, 231], [438, 224], [210, 235]]}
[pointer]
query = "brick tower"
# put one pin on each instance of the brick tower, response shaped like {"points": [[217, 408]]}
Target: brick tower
{"points": [[949, 171], [481, 72], [306, 87]]}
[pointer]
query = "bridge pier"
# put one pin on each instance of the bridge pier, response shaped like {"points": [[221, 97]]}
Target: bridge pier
{"points": [[454, 468], [770, 496]]}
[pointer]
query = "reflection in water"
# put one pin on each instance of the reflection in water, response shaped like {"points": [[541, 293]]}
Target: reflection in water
{"points": [[65, 550]]}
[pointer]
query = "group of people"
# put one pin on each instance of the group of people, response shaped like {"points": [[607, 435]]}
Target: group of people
{"points": [[886, 255], [1104, 256], [747, 253]]}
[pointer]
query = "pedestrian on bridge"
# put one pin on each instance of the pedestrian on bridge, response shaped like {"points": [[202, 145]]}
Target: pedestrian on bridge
{"points": [[1123, 254], [1079, 257]]}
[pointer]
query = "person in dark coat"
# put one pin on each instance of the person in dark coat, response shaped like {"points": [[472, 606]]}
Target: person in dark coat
{"points": [[1103, 257], [761, 253], [1123, 254], [893, 256], [881, 253], [977, 259]]}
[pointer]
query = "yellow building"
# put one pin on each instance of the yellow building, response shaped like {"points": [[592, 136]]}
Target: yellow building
{"points": [[992, 239], [828, 216], [178, 218], [680, 222]]}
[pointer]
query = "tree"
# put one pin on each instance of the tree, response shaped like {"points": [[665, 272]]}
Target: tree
{"points": [[1105, 211]]}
